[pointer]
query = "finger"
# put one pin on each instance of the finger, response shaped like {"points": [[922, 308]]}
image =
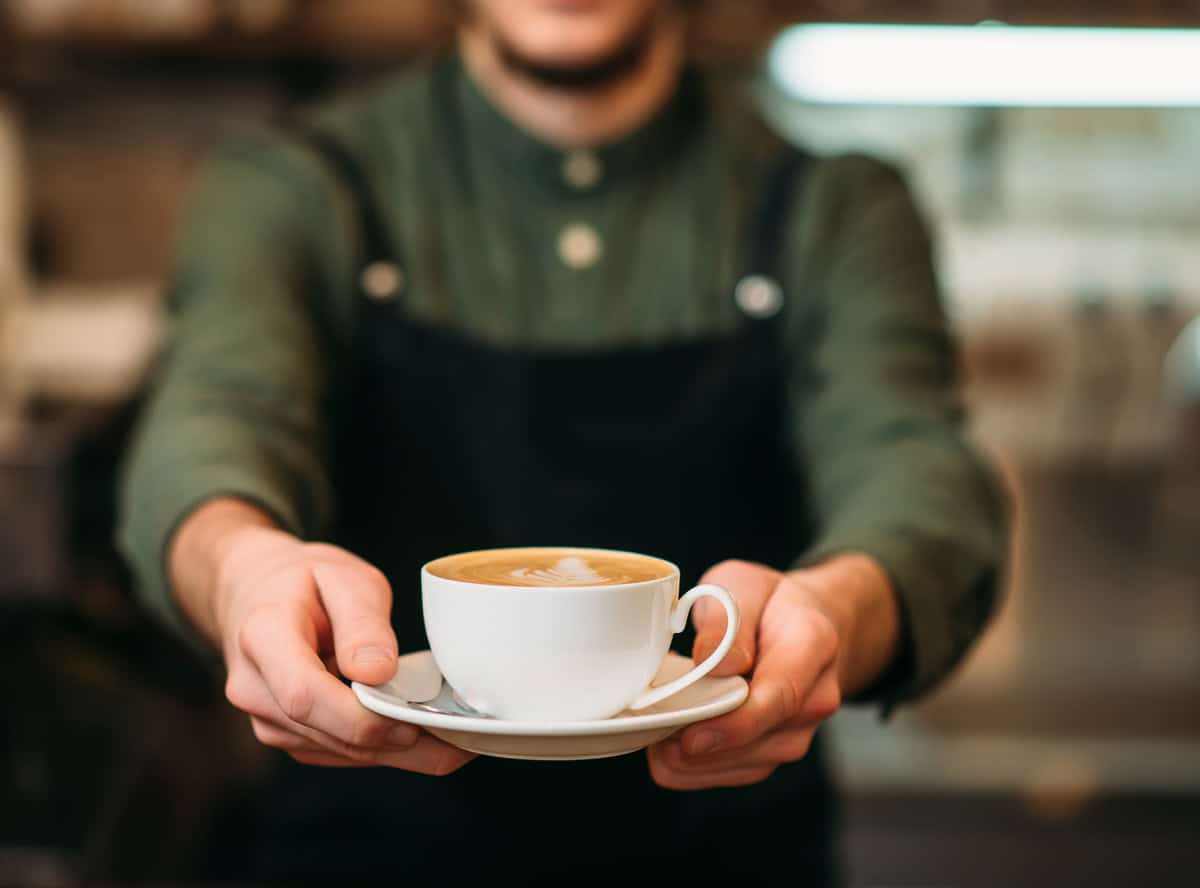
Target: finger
{"points": [[430, 756], [282, 647], [826, 697], [269, 734], [427, 756], [247, 690], [670, 778], [404, 746], [358, 600], [796, 667], [789, 743], [328, 760], [303, 749], [751, 586]]}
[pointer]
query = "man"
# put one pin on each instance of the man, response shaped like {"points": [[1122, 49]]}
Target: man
{"points": [[556, 288]]}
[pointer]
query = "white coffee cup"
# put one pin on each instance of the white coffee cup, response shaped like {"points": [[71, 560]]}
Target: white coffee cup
{"points": [[555, 653]]}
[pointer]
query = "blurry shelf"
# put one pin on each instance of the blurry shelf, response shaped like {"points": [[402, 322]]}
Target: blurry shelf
{"points": [[904, 755], [327, 35], [84, 344]]}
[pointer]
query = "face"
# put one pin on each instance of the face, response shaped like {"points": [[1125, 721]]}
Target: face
{"points": [[565, 34]]}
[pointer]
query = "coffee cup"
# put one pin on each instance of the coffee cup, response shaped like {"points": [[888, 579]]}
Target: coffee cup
{"points": [[556, 634]]}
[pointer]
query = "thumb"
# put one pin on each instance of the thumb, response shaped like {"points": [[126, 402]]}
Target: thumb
{"points": [[708, 618], [358, 600], [750, 585]]}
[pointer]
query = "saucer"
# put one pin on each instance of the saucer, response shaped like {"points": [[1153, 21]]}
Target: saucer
{"points": [[569, 740]]}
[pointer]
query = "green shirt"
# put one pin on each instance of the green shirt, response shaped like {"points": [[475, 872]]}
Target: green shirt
{"points": [[513, 241]]}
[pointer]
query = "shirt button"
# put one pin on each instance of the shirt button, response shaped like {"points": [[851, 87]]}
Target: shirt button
{"points": [[581, 169], [579, 246], [382, 281], [758, 296]]}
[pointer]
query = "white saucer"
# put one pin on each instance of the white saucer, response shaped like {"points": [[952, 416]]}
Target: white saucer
{"points": [[565, 741]]}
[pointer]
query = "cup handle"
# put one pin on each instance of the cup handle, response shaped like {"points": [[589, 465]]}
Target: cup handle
{"points": [[679, 615]]}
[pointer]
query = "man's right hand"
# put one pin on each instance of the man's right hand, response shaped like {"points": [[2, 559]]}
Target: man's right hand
{"points": [[290, 618]]}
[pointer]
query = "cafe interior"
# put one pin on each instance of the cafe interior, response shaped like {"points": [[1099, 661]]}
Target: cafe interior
{"points": [[1052, 147]]}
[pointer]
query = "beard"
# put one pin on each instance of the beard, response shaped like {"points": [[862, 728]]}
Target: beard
{"points": [[596, 74]]}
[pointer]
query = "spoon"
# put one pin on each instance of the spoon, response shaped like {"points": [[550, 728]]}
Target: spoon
{"points": [[421, 685], [447, 702]]}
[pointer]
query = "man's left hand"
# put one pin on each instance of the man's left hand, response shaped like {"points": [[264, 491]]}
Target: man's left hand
{"points": [[795, 644]]}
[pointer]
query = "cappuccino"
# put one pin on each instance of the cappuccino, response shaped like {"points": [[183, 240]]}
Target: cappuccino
{"points": [[560, 634], [549, 567]]}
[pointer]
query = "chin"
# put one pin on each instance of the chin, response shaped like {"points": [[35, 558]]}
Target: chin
{"points": [[566, 34], [568, 45]]}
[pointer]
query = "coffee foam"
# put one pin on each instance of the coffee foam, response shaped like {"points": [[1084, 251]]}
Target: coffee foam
{"points": [[550, 567], [569, 571]]}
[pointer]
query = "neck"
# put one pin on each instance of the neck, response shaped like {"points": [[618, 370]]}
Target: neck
{"points": [[572, 117]]}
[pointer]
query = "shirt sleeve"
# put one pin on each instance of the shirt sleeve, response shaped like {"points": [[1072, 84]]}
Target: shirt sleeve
{"points": [[878, 421], [235, 409]]}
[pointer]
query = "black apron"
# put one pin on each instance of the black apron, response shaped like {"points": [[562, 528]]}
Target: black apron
{"points": [[444, 443]]}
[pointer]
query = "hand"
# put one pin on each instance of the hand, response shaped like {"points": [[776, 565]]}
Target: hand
{"points": [[799, 640], [290, 617]]}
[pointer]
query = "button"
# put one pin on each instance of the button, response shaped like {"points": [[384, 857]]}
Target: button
{"points": [[579, 246], [382, 281], [581, 169], [758, 296]]}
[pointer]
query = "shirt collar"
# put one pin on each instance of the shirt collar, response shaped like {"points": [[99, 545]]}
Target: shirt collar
{"points": [[529, 157]]}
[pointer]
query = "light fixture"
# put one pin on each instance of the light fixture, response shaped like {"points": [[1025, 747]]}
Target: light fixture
{"points": [[988, 65]]}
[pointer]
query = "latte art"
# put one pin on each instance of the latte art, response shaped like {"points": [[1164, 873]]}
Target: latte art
{"points": [[570, 571], [550, 567]]}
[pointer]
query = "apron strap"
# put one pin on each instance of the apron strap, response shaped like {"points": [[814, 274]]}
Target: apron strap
{"points": [[381, 276], [775, 199], [758, 291]]}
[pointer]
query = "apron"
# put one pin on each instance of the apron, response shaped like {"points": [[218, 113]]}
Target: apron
{"points": [[444, 443]]}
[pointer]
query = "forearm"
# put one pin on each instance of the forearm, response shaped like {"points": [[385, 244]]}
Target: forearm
{"points": [[854, 592], [237, 409], [879, 429], [197, 551], [935, 525]]}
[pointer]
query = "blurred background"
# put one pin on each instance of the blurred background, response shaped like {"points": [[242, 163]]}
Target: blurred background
{"points": [[1065, 752]]}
